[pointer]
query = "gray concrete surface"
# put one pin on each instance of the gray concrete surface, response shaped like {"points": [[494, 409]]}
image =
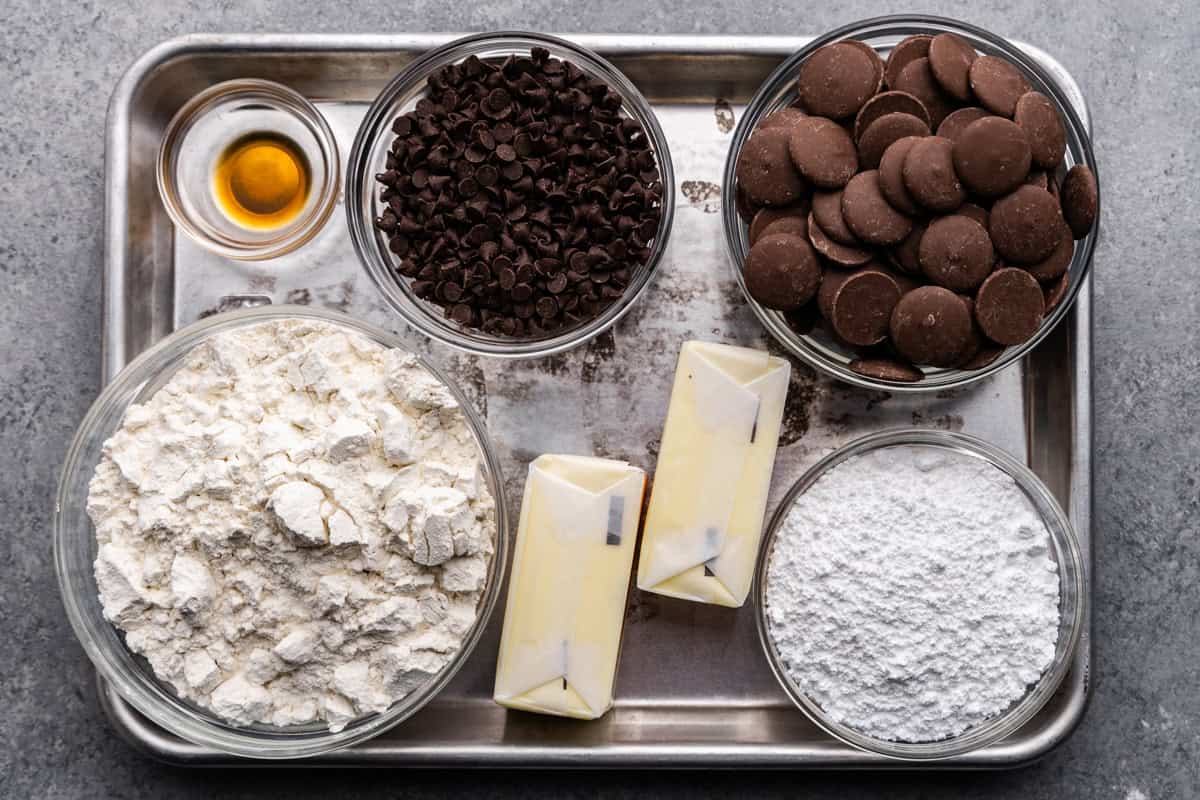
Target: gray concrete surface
{"points": [[1137, 63]]}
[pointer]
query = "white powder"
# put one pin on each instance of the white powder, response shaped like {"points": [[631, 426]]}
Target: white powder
{"points": [[295, 527], [912, 593]]}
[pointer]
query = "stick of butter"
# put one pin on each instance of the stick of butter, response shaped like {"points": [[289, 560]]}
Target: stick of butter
{"points": [[706, 510], [570, 578]]}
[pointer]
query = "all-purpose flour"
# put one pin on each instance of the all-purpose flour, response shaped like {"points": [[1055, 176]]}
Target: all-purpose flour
{"points": [[295, 527], [912, 593]]}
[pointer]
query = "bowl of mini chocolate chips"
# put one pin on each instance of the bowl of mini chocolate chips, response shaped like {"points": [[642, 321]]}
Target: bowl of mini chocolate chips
{"points": [[510, 194], [910, 203]]}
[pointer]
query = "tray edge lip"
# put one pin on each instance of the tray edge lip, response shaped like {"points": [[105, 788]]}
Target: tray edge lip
{"points": [[156, 744]]}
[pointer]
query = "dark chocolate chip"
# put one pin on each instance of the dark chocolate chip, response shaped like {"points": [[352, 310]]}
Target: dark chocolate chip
{"points": [[1080, 200], [1043, 126], [1057, 262], [1026, 225], [861, 308], [891, 175], [930, 325], [1009, 306], [998, 84], [765, 170], [917, 79], [904, 53], [822, 151], [992, 156], [827, 211], [782, 272], [885, 131], [837, 79], [765, 216], [871, 218], [886, 369], [950, 58], [888, 103], [840, 254], [957, 253], [929, 175], [956, 122]]}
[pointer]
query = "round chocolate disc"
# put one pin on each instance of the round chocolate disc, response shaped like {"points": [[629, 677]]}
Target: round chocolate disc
{"points": [[906, 255], [992, 156], [956, 252], [881, 133], [1057, 262], [886, 369], [869, 215], [888, 103], [1009, 306], [1055, 293], [930, 325], [950, 58], [861, 308], [836, 80], [956, 122], [765, 216], [998, 84], [1026, 225], [917, 79], [873, 55], [840, 254], [904, 53], [794, 225], [783, 118], [1043, 126], [976, 213], [891, 175], [827, 211], [830, 283], [1080, 200], [823, 152], [929, 175], [782, 272], [765, 170]]}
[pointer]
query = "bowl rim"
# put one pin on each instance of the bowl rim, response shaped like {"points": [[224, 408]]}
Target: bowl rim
{"points": [[361, 194], [285, 99], [1072, 583], [144, 691], [898, 26]]}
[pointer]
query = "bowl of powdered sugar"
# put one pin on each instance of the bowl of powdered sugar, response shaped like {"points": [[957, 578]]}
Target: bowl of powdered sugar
{"points": [[920, 594], [278, 532]]}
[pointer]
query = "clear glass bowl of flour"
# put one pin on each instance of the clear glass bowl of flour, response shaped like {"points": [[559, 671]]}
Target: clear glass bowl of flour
{"points": [[1063, 549], [75, 551]]}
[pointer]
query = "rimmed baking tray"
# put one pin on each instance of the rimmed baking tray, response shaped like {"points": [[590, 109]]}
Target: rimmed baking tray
{"points": [[694, 689]]}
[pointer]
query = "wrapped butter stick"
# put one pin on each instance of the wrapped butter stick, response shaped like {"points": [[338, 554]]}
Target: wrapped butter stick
{"points": [[570, 576], [705, 518]]}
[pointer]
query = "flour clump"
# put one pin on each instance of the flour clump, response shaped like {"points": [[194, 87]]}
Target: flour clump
{"points": [[912, 593], [295, 527]]}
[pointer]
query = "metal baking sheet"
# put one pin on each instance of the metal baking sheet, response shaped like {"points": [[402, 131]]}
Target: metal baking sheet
{"points": [[693, 687]]}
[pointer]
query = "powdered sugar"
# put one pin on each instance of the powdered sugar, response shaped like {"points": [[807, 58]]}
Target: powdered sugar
{"points": [[293, 528], [912, 594]]}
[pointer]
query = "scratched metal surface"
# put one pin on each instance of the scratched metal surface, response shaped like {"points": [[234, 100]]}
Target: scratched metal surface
{"points": [[693, 685]]}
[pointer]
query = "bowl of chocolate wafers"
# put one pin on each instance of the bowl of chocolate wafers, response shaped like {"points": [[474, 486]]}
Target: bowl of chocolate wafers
{"points": [[911, 203]]}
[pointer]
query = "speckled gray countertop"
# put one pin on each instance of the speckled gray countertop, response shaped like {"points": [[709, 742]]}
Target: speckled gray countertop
{"points": [[1137, 63]]}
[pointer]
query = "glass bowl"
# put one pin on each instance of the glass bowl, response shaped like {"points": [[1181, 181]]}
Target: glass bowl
{"points": [[819, 348], [200, 134], [1064, 550], [75, 551], [368, 158]]}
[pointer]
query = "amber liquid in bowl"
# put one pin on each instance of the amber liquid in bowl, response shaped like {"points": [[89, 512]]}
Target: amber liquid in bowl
{"points": [[262, 180]]}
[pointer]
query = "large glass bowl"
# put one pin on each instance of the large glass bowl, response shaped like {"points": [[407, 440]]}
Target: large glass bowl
{"points": [[75, 551], [368, 158], [819, 348], [1064, 550]]}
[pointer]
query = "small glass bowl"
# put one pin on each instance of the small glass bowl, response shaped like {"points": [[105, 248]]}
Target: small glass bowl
{"points": [[199, 134], [368, 158], [819, 348], [75, 551], [1065, 551]]}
